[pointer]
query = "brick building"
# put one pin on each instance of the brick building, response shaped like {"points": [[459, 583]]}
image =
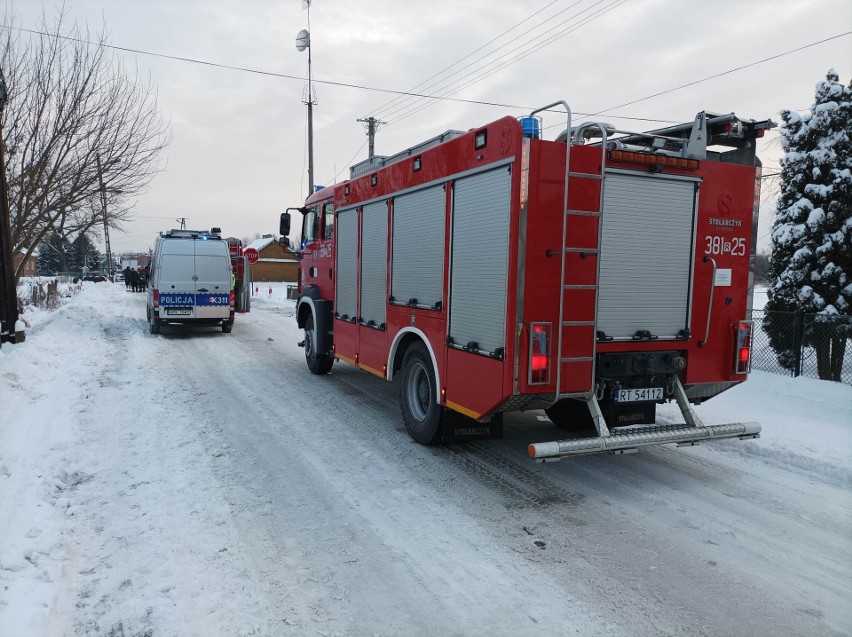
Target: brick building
{"points": [[275, 263], [30, 265]]}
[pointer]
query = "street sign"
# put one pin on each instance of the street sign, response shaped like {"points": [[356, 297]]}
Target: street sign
{"points": [[252, 255]]}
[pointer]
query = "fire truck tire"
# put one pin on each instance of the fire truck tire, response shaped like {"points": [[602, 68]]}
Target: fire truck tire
{"points": [[423, 416], [316, 363], [571, 415]]}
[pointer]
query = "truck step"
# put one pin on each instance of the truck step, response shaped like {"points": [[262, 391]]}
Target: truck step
{"points": [[648, 429], [620, 441]]}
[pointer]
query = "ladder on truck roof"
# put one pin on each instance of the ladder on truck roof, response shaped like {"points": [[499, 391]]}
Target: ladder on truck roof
{"points": [[689, 140]]}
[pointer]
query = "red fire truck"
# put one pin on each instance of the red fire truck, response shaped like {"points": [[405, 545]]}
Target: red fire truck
{"points": [[242, 275], [594, 276]]}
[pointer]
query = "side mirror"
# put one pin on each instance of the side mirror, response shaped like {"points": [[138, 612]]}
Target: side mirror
{"points": [[284, 226]]}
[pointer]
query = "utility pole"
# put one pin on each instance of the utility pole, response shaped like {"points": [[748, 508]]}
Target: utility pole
{"points": [[106, 223], [8, 293], [182, 222], [372, 126], [303, 41]]}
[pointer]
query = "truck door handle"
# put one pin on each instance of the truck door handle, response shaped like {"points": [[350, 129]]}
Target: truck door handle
{"points": [[203, 290], [712, 262]]}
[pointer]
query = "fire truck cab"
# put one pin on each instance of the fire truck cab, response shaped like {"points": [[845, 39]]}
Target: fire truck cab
{"points": [[594, 276]]}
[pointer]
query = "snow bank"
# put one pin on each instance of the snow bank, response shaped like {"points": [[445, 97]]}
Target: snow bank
{"points": [[272, 295], [44, 385], [807, 423]]}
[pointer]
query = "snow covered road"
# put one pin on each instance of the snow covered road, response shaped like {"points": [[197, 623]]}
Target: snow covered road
{"points": [[198, 483]]}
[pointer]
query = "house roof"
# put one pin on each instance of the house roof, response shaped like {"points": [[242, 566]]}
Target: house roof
{"points": [[260, 244]]}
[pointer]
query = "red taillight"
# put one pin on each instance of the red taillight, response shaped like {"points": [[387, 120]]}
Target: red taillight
{"points": [[156, 294], [539, 371], [742, 359], [232, 297]]}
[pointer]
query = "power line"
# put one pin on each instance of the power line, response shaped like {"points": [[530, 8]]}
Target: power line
{"points": [[461, 59], [453, 87], [401, 101], [348, 163], [729, 71], [410, 93], [522, 55], [244, 69], [177, 58]]}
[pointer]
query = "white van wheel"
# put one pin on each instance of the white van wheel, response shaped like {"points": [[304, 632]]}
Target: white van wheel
{"points": [[152, 324]]}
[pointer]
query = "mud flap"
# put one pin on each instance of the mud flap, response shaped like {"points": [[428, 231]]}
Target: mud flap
{"points": [[623, 414], [458, 427], [323, 323]]}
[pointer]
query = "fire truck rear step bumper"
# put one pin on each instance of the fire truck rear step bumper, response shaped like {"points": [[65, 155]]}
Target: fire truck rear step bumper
{"points": [[629, 439]]}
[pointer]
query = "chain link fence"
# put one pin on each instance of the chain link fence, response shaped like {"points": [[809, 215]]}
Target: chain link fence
{"points": [[800, 344]]}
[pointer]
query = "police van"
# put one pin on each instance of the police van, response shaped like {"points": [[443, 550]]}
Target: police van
{"points": [[190, 281]]}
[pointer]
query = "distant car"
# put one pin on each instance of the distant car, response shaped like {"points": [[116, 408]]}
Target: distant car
{"points": [[95, 278], [118, 277]]}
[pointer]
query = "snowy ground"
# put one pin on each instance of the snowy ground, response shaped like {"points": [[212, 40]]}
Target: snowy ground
{"points": [[201, 483]]}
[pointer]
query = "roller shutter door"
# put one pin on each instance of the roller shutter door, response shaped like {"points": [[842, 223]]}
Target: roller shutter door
{"points": [[480, 239], [646, 255], [347, 264], [374, 263], [418, 247]]}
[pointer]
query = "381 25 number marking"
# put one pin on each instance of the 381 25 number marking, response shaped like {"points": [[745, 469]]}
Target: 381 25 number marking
{"points": [[724, 245]]}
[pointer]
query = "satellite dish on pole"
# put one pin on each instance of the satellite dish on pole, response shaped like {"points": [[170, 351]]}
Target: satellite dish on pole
{"points": [[303, 40]]}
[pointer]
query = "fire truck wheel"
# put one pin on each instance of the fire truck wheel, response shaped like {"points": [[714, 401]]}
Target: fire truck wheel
{"points": [[572, 415], [316, 363], [423, 416]]}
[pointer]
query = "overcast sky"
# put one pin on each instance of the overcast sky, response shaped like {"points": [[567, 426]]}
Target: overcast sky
{"points": [[238, 155]]}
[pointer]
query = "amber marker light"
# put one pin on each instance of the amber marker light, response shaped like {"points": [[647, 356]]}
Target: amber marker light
{"points": [[652, 159]]}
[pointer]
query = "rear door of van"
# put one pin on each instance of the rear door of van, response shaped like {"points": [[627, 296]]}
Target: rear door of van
{"points": [[176, 278], [213, 279]]}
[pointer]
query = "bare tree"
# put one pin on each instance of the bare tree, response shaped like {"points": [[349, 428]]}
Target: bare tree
{"points": [[73, 104]]}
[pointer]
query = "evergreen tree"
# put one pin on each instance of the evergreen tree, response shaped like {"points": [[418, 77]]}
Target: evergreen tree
{"points": [[811, 267], [52, 255], [84, 254]]}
